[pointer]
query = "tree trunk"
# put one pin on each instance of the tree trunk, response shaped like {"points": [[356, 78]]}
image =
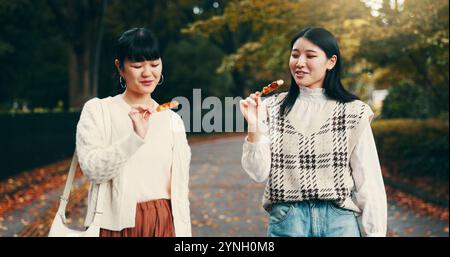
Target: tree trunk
{"points": [[82, 24], [238, 82], [86, 74], [74, 79], [98, 48]]}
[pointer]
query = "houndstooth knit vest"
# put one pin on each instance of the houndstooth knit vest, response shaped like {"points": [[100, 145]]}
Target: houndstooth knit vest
{"points": [[313, 166]]}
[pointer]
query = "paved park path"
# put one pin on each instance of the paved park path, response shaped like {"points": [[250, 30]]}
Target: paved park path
{"points": [[224, 201]]}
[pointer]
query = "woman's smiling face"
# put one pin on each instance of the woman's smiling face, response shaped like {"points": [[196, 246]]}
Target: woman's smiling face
{"points": [[308, 63], [141, 77]]}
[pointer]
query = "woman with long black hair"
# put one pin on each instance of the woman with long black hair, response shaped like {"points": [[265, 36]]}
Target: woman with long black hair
{"points": [[315, 147]]}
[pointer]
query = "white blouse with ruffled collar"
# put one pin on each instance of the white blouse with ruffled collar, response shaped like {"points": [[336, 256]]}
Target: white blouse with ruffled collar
{"points": [[369, 192]]}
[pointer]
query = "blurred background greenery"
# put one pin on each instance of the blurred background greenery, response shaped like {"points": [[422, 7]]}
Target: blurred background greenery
{"points": [[55, 55]]}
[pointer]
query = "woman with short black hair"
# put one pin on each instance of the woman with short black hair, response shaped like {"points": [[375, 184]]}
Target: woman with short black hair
{"points": [[146, 167]]}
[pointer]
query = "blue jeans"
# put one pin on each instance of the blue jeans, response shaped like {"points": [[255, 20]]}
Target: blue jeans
{"points": [[312, 219]]}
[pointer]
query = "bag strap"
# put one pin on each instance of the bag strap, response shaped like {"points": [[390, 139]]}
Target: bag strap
{"points": [[102, 187], [64, 199]]}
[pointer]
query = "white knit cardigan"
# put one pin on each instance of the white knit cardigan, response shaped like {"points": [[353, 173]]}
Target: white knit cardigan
{"points": [[102, 162]]}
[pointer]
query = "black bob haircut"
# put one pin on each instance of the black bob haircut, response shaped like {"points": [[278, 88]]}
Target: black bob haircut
{"points": [[137, 45]]}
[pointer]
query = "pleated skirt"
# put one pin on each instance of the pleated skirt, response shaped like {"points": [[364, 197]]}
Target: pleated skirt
{"points": [[153, 219]]}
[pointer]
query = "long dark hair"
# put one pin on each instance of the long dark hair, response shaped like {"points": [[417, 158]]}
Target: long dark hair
{"points": [[136, 45], [332, 82]]}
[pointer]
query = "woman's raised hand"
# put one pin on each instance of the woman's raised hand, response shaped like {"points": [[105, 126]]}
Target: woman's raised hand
{"points": [[250, 109], [139, 115]]}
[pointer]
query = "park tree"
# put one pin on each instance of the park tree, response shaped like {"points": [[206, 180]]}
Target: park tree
{"points": [[409, 41], [188, 61], [82, 27], [256, 34], [61, 52], [32, 56]]}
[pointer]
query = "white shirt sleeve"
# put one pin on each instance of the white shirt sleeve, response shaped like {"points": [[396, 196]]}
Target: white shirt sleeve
{"points": [[256, 158], [370, 194], [99, 160]]}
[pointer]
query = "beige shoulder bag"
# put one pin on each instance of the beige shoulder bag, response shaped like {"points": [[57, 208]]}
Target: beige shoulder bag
{"points": [[59, 226]]}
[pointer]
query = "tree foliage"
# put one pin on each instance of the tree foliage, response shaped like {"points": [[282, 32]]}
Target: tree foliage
{"points": [[53, 50], [402, 40], [33, 58], [262, 51], [406, 100]]}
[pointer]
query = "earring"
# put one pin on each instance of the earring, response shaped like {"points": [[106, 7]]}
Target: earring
{"points": [[161, 80], [123, 85]]}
